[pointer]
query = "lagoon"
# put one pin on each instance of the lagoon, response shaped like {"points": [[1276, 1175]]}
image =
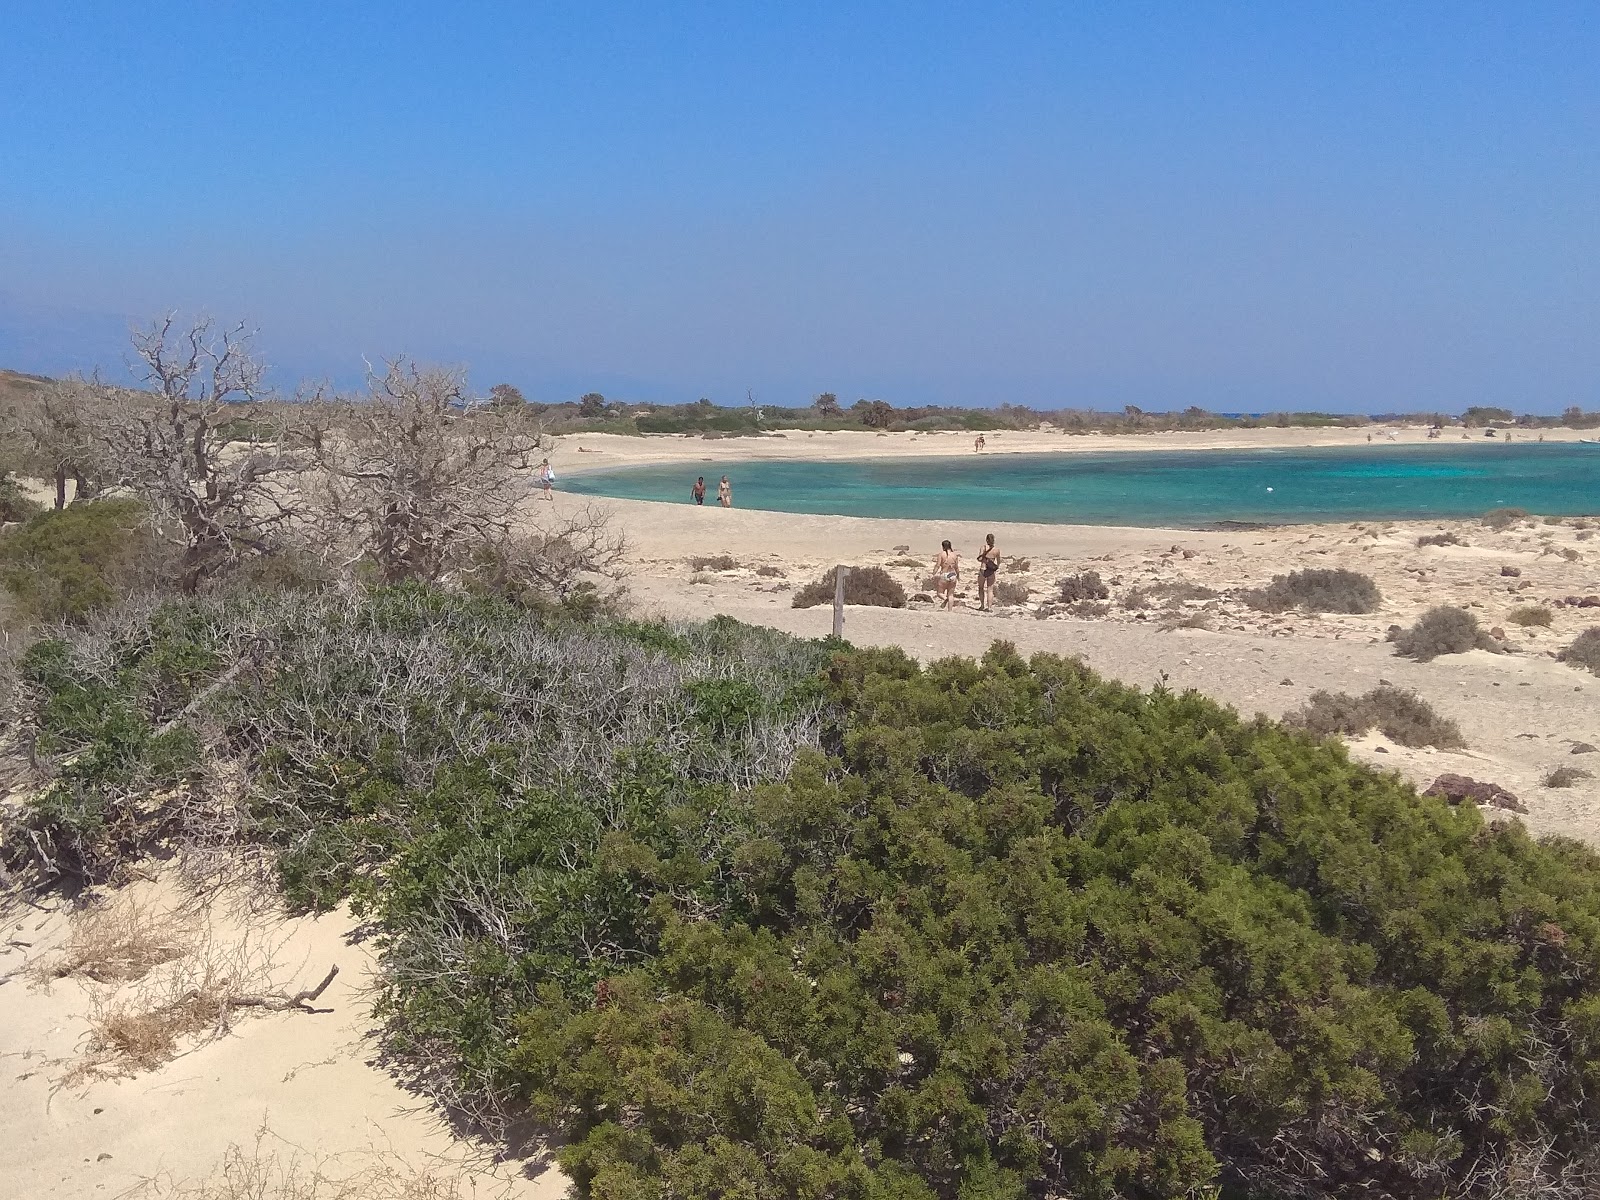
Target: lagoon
{"points": [[1183, 489]]}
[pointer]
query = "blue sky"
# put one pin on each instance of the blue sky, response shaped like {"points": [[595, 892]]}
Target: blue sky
{"points": [[1349, 207]]}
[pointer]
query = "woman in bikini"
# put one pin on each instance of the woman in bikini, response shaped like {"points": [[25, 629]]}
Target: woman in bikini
{"points": [[947, 573], [988, 570], [725, 493]]}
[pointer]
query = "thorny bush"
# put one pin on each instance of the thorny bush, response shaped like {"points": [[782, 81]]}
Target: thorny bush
{"points": [[1317, 589]]}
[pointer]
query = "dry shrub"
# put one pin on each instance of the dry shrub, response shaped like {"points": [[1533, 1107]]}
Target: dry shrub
{"points": [[862, 585], [1585, 650], [1170, 595], [1442, 630], [1086, 585], [1198, 620], [1021, 566], [910, 563], [1504, 518], [716, 562], [1565, 777], [1317, 589], [1530, 614], [1440, 539], [772, 572], [263, 1174], [1089, 608], [119, 941], [193, 997], [1010, 592], [1402, 716]]}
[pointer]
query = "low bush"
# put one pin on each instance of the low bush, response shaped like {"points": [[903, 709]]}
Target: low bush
{"points": [[1584, 651], [772, 572], [1530, 614], [1317, 589], [1440, 539], [1170, 595], [1504, 518], [1010, 592], [715, 562], [14, 503], [1401, 716], [62, 566], [862, 585], [1442, 630], [1088, 609], [1565, 777], [1086, 585], [910, 563]]}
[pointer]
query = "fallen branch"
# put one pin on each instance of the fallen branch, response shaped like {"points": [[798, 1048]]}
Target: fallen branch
{"points": [[278, 1002]]}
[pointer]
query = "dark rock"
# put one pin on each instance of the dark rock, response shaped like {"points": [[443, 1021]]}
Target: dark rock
{"points": [[923, 597], [1456, 788], [1285, 683], [1380, 750], [1512, 572], [1498, 634], [1582, 748]]}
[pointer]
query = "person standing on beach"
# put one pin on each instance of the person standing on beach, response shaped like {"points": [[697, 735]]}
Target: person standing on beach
{"points": [[947, 573], [725, 493], [547, 480], [698, 491], [988, 570]]}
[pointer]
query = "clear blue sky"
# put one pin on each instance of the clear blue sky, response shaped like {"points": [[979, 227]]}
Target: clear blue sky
{"points": [[1341, 206]]}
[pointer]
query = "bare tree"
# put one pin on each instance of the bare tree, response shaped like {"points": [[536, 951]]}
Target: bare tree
{"points": [[201, 447], [418, 476]]}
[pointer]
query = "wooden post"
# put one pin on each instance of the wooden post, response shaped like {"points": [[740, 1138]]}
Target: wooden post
{"points": [[839, 574]]}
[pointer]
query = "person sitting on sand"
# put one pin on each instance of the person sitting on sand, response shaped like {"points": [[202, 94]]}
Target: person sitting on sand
{"points": [[698, 491], [988, 569], [547, 480], [725, 493], [947, 573]]}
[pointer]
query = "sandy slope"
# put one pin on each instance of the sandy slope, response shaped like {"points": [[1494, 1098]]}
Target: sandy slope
{"points": [[306, 1078]]}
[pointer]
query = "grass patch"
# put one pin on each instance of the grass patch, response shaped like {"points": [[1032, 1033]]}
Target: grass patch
{"points": [[1531, 614], [862, 585], [1334, 590], [1440, 539], [1169, 595], [1401, 716], [120, 940]]}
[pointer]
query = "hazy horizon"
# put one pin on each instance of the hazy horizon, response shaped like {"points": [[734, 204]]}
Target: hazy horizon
{"points": [[1247, 209]]}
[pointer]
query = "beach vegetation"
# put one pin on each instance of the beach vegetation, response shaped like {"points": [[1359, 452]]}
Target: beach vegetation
{"points": [[1011, 593], [714, 562], [1317, 589], [1088, 609], [1584, 651], [1400, 715], [730, 911], [1445, 629], [15, 504], [1085, 585], [64, 565], [862, 585], [1501, 519], [1565, 777], [1171, 594], [1447, 538], [1531, 614]]}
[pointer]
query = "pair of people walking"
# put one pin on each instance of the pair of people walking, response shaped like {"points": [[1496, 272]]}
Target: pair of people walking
{"points": [[724, 491], [947, 573]]}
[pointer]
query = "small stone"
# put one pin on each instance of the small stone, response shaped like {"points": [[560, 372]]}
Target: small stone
{"points": [[1512, 572], [1188, 553], [1285, 683], [1498, 633], [1582, 748], [103, 1156], [1456, 788], [1380, 750]]}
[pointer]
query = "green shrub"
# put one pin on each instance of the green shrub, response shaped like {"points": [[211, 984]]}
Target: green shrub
{"points": [[862, 585], [1440, 539], [62, 566], [1584, 651], [14, 503], [1086, 585], [1501, 519], [1442, 630], [1530, 614], [1318, 589], [1402, 717]]}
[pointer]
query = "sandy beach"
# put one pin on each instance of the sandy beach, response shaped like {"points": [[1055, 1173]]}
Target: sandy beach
{"points": [[312, 1081]]}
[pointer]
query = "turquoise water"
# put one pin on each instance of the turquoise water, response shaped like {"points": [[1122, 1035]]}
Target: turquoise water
{"points": [[1184, 488]]}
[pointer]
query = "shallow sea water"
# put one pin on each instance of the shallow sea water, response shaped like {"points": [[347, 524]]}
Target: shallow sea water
{"points": [[1181, 488]]}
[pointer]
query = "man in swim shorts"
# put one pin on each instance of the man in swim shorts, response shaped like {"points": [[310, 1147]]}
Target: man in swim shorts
{"points": [[699, 490]]}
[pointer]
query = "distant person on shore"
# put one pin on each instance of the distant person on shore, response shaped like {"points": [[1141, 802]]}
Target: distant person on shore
{"points": [[977, 442], [698, 491], [547, 480], [725, 493], [988, 570], [947, 573]]}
